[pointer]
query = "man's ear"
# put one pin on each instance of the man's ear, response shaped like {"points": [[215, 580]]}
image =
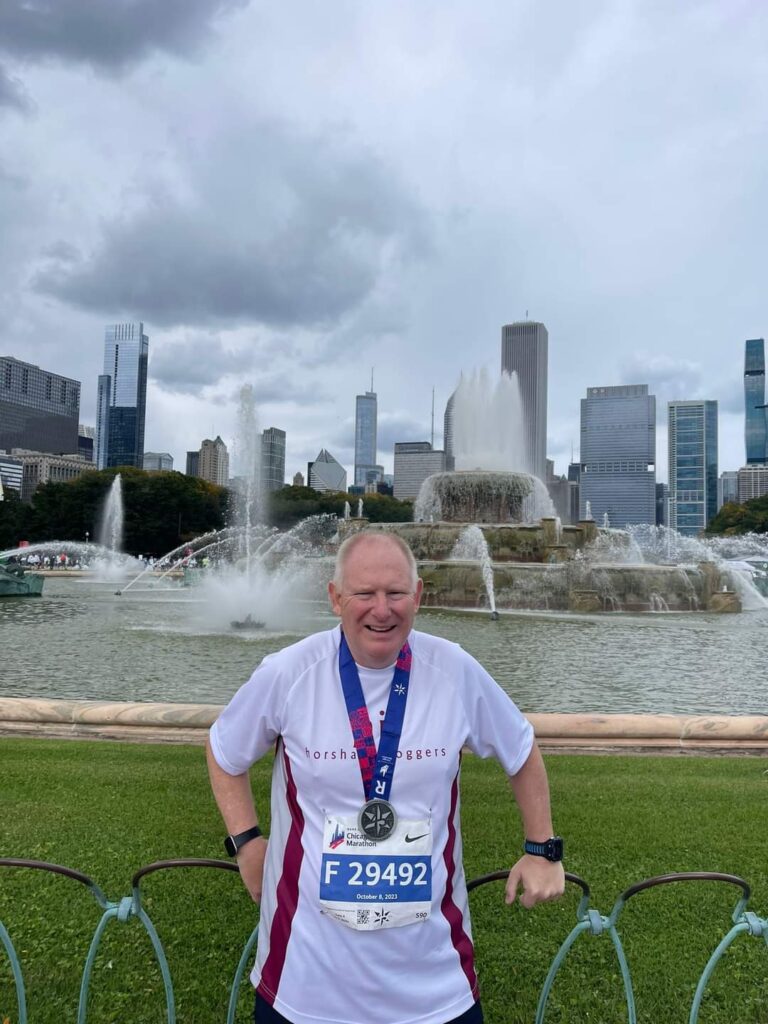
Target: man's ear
{"points": [[334, 596], [419, 589]]}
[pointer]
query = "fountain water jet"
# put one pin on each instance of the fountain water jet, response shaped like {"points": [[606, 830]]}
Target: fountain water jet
{"points": [[110, 532], [472, 545], [493, 480]]}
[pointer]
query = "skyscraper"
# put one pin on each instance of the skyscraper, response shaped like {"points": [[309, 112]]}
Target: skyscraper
{"points": [[213, 462], [414, 462], [618, 455], [755, 412], [450, 459], [326, 473], [692, 448], [272, 459], [365, 435], [122, 397], [524, 351], [39, 410]]}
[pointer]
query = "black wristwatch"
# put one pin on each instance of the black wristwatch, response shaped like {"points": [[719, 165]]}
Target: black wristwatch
{"points": [[233, 843], [552, 848]]}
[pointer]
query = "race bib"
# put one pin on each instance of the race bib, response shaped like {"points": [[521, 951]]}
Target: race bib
{"points": [[367, 885]]}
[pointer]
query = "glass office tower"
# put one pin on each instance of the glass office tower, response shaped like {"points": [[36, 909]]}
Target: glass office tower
{"points": [[692, 465], [122, 397], [365, 436], [618, 455], [755, 425], [39, 410], [272, 459]]}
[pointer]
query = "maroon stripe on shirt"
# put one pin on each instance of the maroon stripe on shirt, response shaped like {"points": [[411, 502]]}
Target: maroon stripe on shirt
{"points": [[287, 898], [459, 938]]}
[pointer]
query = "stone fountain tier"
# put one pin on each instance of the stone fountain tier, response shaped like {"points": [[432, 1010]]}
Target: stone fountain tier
{"points": [[540, 566], [544, 541], [475, 496], [579, 586]]}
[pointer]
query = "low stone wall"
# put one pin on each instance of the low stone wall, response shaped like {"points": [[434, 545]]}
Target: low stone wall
{"points": [[189, 723]]}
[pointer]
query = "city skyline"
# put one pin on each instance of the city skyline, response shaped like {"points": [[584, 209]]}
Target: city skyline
{"points": [[294, 233], [531, 361]]}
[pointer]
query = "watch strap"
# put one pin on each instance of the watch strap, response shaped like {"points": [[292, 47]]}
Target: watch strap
{"points": [[232, 844], [551, 849]]}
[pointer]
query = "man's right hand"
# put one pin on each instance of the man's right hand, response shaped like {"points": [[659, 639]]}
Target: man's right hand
{"points": [[250, 863]]}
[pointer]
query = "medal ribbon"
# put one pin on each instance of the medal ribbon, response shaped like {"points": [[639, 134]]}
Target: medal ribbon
{"points": [[376, 767]]}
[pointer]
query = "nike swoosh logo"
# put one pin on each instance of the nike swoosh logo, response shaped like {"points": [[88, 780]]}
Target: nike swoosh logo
{"points": [[412, 839]]}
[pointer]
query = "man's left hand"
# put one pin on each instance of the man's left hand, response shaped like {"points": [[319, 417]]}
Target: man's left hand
{"points": [[539, 879]]}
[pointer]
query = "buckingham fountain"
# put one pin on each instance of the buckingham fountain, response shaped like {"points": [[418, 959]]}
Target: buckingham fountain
{"points": [[489, 537]]}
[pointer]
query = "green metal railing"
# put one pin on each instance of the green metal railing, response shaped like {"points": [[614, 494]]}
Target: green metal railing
{"points": [[123, 910], [588, 922]]}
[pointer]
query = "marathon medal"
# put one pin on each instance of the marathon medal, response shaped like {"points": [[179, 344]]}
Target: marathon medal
{"points": [[377, 819]]}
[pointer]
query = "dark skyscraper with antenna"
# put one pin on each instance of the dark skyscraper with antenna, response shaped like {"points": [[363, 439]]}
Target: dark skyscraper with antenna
{"points": [[524, 351]]}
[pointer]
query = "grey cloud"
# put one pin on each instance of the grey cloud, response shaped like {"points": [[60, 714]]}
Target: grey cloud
{"points": [[197, 362], [401, 427], [667, 378], [281, 230], [277, 388], [109, 34], [13, 94], [730, 396]]}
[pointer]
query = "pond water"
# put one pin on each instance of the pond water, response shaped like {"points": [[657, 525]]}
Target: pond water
{"points": [[81, 641]]}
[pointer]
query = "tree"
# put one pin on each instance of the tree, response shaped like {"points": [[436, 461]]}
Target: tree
{"points": [[11, 518], [290, 505], [161, 510], [733, 519]]}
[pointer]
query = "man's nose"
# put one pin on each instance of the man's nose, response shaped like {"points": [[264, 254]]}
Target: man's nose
{"points": [[380, 605]]}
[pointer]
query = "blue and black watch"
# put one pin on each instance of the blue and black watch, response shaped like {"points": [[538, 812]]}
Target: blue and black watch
{"points": [[551, 848]]}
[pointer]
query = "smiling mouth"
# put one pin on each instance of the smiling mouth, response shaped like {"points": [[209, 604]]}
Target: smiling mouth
{"points": [[380, 629]]}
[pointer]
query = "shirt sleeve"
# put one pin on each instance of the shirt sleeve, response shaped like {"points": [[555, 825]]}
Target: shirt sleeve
{"points": [[496, 726], [249, 725]]}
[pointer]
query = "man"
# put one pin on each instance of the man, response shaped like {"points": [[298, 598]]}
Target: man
{"points": [[364, 913]]}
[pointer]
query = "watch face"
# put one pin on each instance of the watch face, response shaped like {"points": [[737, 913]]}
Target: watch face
{"points": [[229, 846], [555, 851]]}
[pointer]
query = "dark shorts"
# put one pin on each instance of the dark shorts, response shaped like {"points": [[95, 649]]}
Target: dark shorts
{"points": [[263, 1013]]}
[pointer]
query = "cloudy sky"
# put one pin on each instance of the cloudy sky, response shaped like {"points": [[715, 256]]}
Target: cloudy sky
{"points": [[291, 194]]}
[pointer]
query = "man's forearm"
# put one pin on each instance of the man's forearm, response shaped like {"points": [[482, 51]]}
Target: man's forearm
{"points": [[531, 790], [232, 794]]}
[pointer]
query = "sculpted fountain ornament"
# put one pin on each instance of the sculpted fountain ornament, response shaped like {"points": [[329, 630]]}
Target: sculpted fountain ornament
{"points": [[492, 481]]}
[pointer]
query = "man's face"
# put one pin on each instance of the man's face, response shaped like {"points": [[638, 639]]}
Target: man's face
{"points": [[376, 602]]}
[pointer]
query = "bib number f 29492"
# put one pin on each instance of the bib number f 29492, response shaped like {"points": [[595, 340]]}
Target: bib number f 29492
{"points": [[368, 878], [369, 885]]}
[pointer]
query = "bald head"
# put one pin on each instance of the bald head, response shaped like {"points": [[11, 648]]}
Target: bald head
{"points": [[383, 541], [376, 593]]}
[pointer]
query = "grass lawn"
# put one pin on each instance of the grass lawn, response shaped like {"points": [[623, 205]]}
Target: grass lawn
{"points": [[106, 809]]}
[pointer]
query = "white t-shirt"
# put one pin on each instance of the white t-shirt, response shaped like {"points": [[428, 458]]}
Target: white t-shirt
{"points": [[312, 969]]}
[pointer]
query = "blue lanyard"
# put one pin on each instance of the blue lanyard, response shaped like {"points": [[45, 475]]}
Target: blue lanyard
{"points": [[376, 767]]}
